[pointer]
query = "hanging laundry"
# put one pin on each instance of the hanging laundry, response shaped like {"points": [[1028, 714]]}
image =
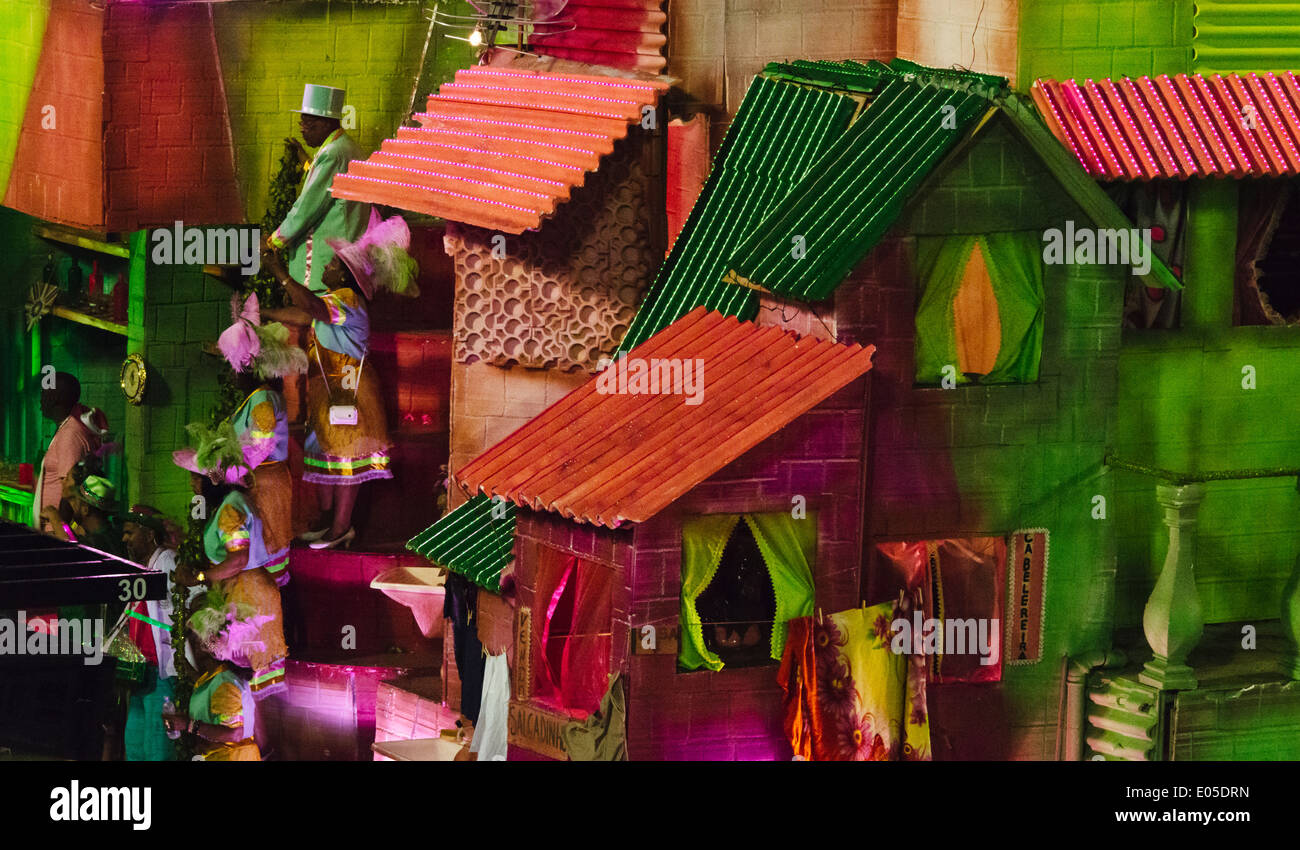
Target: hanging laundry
{"points": [[848, 697], [490, 732], [603, 735]]}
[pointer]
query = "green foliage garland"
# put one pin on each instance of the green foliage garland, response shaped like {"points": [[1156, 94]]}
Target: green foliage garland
{"points": [[283, 193]]}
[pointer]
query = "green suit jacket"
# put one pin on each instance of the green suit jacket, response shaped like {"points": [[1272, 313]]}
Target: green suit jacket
{"points": [[317, 216]]}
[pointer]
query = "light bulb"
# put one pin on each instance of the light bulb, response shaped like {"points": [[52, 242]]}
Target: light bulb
{"points": [[476, 37]]}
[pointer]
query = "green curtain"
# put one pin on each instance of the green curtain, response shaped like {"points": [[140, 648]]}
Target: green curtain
{"points": [[940, 262], [1014, 263], [1016, 274], [789, 548], [703, 539]]}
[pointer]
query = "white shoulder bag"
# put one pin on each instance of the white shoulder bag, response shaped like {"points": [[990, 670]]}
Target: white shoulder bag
{"points": [[341, 414]]}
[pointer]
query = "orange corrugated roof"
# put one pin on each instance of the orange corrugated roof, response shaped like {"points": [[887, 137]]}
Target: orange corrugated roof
{"points": [[607, 458], [500, 147]]}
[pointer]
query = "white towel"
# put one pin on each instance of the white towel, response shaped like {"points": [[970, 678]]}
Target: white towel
{"points": [[490, 731]]}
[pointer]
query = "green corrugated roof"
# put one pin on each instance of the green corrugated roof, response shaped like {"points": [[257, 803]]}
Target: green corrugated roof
{"points": [[779, 130], [469, 541], [791, 117], [856, 190]]}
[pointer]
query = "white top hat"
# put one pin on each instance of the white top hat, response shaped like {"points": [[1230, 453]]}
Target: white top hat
{"points": [[324, 101]]}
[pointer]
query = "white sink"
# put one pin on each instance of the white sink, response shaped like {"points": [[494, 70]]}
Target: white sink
{"points": [[419, 588]]}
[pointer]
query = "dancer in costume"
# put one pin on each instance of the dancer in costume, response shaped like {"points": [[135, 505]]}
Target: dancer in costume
{"points": [[261, 357], [348, 440], [222, 709]]}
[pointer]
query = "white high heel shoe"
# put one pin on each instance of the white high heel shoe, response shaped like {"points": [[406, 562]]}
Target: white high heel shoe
{"points": [[344, 540]]}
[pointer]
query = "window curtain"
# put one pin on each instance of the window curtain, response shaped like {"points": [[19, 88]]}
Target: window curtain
{"points": [[789, 548], [1014, 265], [1260, 208], [703, 539], [575, 633]]}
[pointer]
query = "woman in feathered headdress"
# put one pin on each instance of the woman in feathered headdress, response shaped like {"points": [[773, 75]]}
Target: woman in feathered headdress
{"points": [[235, 546], [261, 357], [348, 439], [222, 708]]}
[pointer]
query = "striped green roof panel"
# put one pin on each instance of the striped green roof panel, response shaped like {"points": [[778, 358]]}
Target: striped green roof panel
{"points": [[780, 129], [856, 190], [471, 541], [854, 76]]}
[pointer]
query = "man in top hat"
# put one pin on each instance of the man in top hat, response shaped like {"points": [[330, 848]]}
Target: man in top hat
{"points": [[317, 216]]}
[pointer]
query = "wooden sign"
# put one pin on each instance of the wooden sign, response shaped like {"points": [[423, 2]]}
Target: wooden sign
{"points": [[1025, 607], [523, 670], [659, 639], [537, 730]]}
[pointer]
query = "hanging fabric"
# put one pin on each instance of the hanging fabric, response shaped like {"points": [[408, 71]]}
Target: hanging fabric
{"points": [[490, 732], [603, 735], [848, 695]]}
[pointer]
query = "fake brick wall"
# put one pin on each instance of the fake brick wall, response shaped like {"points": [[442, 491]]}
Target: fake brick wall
{"points": [[167, 151], [979, 34], [57, 173], [270, 50], [716, 46], [184, 310], [488, 403], [991, 459], [1103, 38], [22, 29], [736, 714]]}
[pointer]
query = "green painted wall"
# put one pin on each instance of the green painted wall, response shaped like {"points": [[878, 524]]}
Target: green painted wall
{"points": [[1103, 38], [183, 311], [22, 27], [1029, 455], [269, 51], [1183, 407]]}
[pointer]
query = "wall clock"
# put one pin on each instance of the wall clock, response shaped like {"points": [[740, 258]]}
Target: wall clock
{"points": [[132, 378]]}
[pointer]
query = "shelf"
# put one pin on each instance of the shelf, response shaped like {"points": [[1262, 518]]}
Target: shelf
{"points": [[91, 321], [82, 239]]}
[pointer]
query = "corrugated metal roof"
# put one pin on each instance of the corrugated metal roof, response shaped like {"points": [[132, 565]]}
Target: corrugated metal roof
{"points": [[856, 190], [616, 33], [470, 541], [500, 147], [1245, 35], [1186, 125], [608, 457], [780, 129]]}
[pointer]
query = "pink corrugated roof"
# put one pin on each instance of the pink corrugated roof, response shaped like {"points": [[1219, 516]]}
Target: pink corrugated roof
{"points": [[607, 457], [500, 147], [1179, 126], [617, 33]]}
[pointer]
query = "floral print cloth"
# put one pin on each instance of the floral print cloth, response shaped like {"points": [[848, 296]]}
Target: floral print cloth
{"points": [[848, 696]]}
